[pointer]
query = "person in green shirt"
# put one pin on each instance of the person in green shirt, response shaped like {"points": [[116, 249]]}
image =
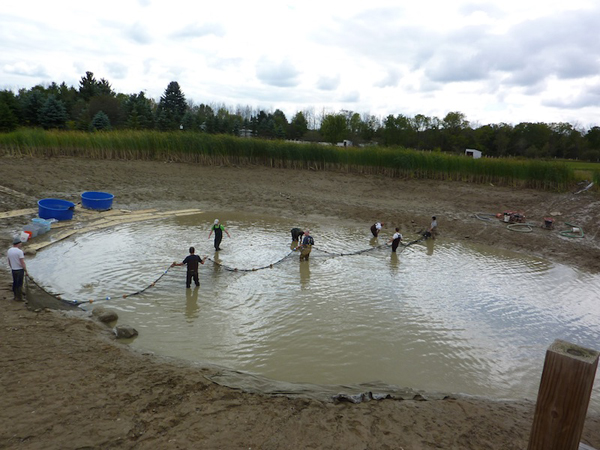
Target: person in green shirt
{"points": [[218, 229]]}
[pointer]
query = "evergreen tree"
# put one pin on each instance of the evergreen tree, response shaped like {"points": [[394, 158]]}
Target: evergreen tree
{"points": [[10, 99], [172, 107], [104, 88], [100, 122], [163, 122], [189, 121], [281, 124], [32, 103], [88, 86], [53, 114], [137, 110], [204, 113], [68, 96], [8, 120], [109, 105]]}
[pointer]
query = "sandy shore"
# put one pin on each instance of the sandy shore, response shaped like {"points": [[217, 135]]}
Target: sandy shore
{"points": [[67, 383]]}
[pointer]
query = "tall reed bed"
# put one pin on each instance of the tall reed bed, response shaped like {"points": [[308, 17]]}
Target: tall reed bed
{"points": [[228, 150]]}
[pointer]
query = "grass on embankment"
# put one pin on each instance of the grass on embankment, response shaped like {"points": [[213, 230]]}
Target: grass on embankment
{"points": [[209, 149]]}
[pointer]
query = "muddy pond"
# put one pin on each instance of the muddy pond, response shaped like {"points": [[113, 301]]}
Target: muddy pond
{"points": [[436, 316]]}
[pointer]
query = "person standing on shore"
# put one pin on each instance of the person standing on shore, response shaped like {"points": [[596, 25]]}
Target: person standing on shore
{"points": [[376, 228], [191, 261], [16, 262], [218, 230], [395, 239]]}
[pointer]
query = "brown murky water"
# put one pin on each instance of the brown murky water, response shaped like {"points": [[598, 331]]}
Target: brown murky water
{"points": [[440, 316]]}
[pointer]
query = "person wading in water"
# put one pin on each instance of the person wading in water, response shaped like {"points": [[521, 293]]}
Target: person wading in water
{"points": [[306, 246], [191, 261], [218, 229], [395, 239]]}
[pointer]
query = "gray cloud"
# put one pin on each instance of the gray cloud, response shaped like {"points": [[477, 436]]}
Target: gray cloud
{"points": [[488, 9], [589, 96], [391, 79], [564, 46], [350, 97], [326, 83], [26, 69], [217, 62], [197, 31], [117, 70], [280, 74], [148, 65], [138, 33]]}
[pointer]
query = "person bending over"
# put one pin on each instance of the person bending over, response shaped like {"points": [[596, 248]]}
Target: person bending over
{"points": [[395, 239], [296, 234], [376, 228]]}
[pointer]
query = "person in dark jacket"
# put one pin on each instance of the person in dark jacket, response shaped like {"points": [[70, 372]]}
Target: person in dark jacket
{"points": [[395, 239], [306, 246], [192, 262], [296, 234]]}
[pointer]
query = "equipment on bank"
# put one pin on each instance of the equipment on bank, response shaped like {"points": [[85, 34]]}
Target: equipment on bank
{"points": [[548, 223], [99, 201], [55, 208], [512, 217]]}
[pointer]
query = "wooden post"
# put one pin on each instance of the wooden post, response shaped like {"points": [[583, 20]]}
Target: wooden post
{"points": [[563, 398]]}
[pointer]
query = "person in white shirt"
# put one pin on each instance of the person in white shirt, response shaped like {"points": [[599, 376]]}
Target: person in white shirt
{"points": [[433, 227], [376, 228], [16, 262], [395, 239]]}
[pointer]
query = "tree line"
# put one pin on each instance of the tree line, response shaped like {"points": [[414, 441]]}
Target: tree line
{"points": [[95, 106]]}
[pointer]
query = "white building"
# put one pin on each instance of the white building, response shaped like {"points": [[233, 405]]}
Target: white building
{"points": [[473, 153]]}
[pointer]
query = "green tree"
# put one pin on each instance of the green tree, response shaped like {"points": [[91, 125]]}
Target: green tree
{"points": [[298, 126], [398, 131], [171, 107], [32, 102], [190, 121], [53, 114], [369, 126], [334, 128], [10, 99], [527, 135], [68, 96], [100, 122], [88, 86], [455, 132], [281, 124], [592, 138], [8, 120], [137, 110], [204, 113], [103, 87], [109, 105], [566, 141]]}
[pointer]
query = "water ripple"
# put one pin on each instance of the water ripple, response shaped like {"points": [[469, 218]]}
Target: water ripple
{"points": [[445, 317]]}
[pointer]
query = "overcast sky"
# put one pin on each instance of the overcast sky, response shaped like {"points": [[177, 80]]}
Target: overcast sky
{"points": [[495, 61]]}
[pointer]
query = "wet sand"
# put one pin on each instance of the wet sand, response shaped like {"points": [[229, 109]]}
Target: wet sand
{"points": [[67, 383]]}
